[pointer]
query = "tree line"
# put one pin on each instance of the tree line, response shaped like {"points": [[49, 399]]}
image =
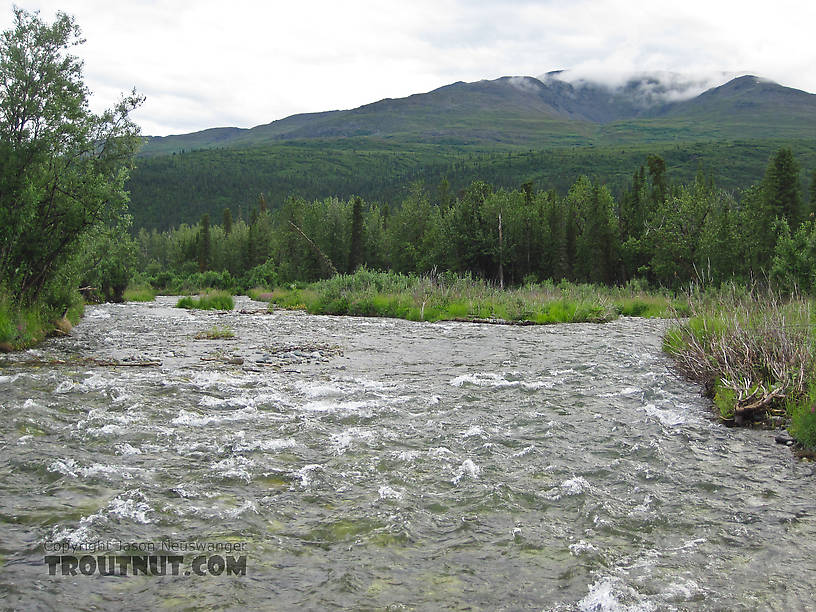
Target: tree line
{"points": [[658, 231]]}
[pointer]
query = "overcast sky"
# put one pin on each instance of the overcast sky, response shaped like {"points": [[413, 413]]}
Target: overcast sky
{"points": [[208, 63]]}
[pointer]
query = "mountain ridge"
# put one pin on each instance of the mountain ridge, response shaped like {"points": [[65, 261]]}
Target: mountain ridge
{"points": [[523, 110]]}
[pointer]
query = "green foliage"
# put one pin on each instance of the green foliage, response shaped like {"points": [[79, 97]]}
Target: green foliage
{"points": [[62, 168], [211, 300], [725, 399], [802, 414], [22, 325], [139, 294], [216, 332], [426, 298]]}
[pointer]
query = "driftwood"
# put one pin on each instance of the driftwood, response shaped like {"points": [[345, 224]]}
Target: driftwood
{"points": [[747, 411]]}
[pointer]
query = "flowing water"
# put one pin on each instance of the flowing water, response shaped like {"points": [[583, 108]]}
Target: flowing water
{"points": [[377, 463]]}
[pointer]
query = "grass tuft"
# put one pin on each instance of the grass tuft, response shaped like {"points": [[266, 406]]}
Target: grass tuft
{"points": [[216, 332], [211, 300], [139, 294]]}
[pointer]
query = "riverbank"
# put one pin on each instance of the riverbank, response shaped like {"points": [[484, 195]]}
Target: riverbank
{"points": [[23, 326], [449, 297], [753, 353]]}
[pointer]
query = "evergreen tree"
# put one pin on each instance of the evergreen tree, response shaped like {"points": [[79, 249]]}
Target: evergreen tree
{"points": [[204, 243], [812, 194], [781, 187], [657, 175], [227, 221], [356, 247]]}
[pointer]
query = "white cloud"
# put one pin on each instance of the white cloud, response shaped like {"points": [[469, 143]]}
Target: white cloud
{"points": [[205, 63]]}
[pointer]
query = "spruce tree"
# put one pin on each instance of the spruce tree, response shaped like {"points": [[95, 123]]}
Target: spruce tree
{"points": [[781, 188], [356, 247], [227, 221], [204, 243]]}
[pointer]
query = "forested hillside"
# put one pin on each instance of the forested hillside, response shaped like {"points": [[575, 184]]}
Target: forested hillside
{"points": [[659, 230], [173, 189], [506, 131]]}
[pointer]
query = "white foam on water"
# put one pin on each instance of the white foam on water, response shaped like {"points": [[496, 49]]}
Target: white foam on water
{"points": [[247, 506], [9, 378], [97, 313], [130, 509], [581, 548], [334, 406], [440, 451], [491, 379], [67, 467], [408, 455], [274, 444], [475, 430], [94, 381], [341, 441], [609, 594], [25, 439], [192, 419], [29, 404], [65, 386], [525, 451], [625, 391], [319, 390], [209, 401], [575, 486], [468, 468], [106, 430], [682, 591], [127, 449], [234, 467], [387, 492], [207, 380], [129, 505], [115, 471], [571, 487], [305, 473], [666, 416]]}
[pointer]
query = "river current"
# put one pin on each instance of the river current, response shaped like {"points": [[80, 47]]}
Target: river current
{"points": [[385, 464]]}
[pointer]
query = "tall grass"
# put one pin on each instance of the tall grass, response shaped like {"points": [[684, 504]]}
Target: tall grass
{"points": [[142, 293], [451, 297], [23, 325], [211, 300], [754, 354]]}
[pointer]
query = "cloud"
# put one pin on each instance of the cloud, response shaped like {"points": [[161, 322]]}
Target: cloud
{"points": [[206, 63]]}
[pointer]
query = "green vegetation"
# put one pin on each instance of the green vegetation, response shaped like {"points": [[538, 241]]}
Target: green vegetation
{"points": [[216, 332], [658, 232], [451, 297], [167, 191], [21, 327], [139, 294], [62, 176], [754, 354], [211, 300]]}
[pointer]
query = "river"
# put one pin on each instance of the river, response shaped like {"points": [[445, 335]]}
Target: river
{"points": [[385, 464]]}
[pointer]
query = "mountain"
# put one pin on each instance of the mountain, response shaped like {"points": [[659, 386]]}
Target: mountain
{"points": [[506, 131], [551, 110]]}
